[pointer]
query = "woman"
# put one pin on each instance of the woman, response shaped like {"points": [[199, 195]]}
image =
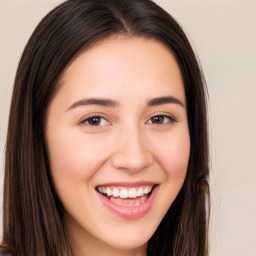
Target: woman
{"points": [[107, 149]]}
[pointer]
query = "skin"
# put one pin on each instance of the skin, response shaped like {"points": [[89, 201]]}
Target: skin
{"points": [[126, 145]]}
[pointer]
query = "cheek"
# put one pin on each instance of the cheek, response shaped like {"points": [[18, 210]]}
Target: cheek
{"points": [[174, 154], [74, 156], [74, 160]]}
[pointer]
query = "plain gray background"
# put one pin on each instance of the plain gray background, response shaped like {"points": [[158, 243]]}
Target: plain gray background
{"points": [[223, 33]]}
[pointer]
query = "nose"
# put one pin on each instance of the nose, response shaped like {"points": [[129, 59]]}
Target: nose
{"points": [[132, 153]]}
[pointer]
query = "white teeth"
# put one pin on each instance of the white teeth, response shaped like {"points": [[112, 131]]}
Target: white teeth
{"points": [[109, 191], [125, 192], [140, 192], [147, 190], [115, 192], [132, 193]]}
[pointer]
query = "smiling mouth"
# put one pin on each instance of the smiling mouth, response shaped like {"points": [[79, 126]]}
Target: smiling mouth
{"points": [[132, 196]]}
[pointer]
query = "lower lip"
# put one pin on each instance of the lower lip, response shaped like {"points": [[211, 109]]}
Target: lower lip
{"points": [[130, 212]]}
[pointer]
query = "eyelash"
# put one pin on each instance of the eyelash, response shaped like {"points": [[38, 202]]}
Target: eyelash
{"points": [[95, 118], [170, 119], [165, 120]]}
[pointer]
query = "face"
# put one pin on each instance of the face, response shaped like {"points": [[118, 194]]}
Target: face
{"points": [[118, 143]]}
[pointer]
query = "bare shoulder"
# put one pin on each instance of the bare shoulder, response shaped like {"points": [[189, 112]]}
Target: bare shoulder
{"points": [[4, 251]]}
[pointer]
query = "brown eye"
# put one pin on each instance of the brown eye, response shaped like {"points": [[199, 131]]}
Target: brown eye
{"points": [[161, 119], [96, 121], [157, 119]]}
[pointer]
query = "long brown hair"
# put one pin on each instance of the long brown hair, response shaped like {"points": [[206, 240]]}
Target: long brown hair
{"points": [[32, 214]]}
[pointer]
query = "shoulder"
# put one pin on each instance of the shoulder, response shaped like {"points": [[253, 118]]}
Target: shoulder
{"points": [[4, 251]]}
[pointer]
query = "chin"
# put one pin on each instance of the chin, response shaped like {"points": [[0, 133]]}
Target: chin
{"points": [[130, 239]]}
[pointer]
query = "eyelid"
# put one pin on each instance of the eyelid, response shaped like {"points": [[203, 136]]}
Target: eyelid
{"points": [[170, 117], [95, 115], [83, 121]]}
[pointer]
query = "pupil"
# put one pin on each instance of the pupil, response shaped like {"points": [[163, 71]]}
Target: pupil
{"points": [[158, 119], [95, 120]]}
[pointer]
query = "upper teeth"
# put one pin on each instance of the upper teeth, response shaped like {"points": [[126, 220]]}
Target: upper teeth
{"points": [[125, 192]]}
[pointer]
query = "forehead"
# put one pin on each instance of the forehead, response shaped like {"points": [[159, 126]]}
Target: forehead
{"points": [[137, 66]]}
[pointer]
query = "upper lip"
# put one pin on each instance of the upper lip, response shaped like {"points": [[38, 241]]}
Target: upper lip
{"points": [[128, 184]]}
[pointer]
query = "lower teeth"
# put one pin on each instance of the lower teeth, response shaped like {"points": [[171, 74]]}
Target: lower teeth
{"points": [[129, 202]]}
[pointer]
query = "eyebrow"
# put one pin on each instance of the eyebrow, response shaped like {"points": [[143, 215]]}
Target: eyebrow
{"points": [[114, 104], [164, 100], [95, 101]]}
